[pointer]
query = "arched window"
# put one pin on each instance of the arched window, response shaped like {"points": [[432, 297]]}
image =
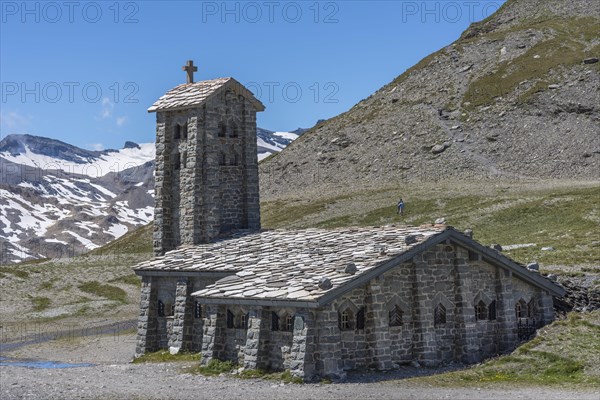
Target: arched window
{"points": [[481, 312], [521, 309], [233, 131], [439, 315], [222, 158], [288, 324], [237, 320], [360, 319], [395, 316], [346, 320], [176, 132]]}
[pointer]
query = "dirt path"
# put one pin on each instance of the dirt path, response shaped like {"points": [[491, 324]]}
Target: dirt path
{"points": [[113, 377]]}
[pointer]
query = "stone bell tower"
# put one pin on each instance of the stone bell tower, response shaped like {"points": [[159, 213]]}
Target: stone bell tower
{"points": [[206, 162]]}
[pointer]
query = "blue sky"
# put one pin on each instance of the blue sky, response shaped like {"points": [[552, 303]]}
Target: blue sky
{"points": [[85, 72]]}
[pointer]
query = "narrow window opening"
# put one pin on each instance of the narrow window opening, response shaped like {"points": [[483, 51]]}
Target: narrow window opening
{"points": [[230, 319], [222, 130], [161, 309], [521, 309], [184, 131], [274, 321], [289, 323], [177, 132], [395, 316], [243, 321], [473, 256], [184, 159], [235, 159], [234, 131], [481, 312], [345, 320], [439, 315], [360, 319]]}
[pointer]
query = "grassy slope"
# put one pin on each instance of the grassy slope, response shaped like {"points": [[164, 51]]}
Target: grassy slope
{"points": [[565, 218], [565, 353]]}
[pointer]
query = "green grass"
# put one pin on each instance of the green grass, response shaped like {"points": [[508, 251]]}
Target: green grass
{"points": [[14, 270], [565, 219], [107, 291], [565, 353], [134, 242], [131, 279], [215, 367], [166, 356], [40, 303]]}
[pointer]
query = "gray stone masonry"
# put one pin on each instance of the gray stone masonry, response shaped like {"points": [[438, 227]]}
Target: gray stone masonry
{"points": [[146, 335], [505, 311], [252, 350], [378, 332], [302, 364], [181, 337], [213, 334], [206, 171], [328, 360]]}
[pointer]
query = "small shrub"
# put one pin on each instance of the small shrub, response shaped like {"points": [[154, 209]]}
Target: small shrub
{"points": [[40, 303], [216, 367]]}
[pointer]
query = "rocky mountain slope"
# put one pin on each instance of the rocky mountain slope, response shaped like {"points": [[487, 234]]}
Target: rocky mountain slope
{"points": [[516, 96]]}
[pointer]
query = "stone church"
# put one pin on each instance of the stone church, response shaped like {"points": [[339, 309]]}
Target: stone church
{"points": [[315, 302]]}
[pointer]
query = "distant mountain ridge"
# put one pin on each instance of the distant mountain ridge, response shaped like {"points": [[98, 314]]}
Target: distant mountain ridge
{"points": [[58, 200]]}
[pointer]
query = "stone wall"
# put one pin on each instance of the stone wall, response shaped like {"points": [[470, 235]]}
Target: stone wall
{"points": [[206, 172], [179, 328]]}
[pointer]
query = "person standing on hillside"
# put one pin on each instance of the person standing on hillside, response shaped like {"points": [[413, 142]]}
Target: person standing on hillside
{"points": [[401, 207]]}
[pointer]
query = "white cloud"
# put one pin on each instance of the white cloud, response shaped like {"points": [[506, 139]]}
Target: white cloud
{"points": [[121, 121], [97, 146], [107, 108], [14, 121]]}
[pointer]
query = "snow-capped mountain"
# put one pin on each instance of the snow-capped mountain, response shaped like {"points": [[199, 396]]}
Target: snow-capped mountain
{"points": [[54, 212], [58, 200], [270, 142]]}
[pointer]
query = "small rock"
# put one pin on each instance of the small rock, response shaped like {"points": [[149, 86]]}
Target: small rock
{"points": [[325, 283], [455, 127], [553, 277], [521, 46], [465, 69], [410, 239], [440, 221], [496, 247], [554, 86], [350, 268], [549, 248], [591, 60], [439, 148], [536, 56], [469, 233], [533, 266]]}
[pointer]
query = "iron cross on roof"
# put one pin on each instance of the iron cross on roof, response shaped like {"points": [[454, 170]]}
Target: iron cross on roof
{"points": [[190, 68]]}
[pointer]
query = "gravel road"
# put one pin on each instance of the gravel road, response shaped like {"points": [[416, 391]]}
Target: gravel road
{"points": [[113, 377]]}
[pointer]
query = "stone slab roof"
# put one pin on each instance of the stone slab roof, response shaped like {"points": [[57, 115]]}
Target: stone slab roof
{"points": [[288, 265], [195, 94]]}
